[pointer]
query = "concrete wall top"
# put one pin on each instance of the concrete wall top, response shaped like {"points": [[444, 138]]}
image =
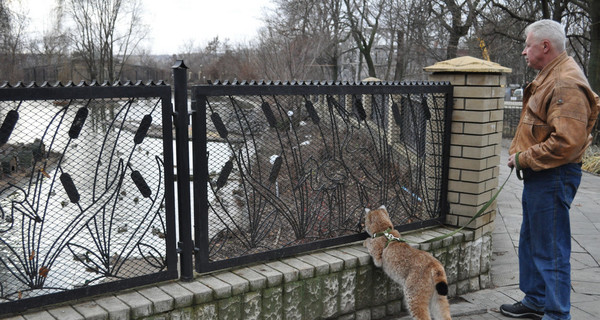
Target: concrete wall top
{"points": [[467, 64]]}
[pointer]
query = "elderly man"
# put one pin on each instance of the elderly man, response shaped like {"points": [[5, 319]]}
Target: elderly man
{"points": [[559, 112]]}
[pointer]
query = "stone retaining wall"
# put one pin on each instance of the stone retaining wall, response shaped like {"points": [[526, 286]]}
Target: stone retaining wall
{"points": [[338, 283]]}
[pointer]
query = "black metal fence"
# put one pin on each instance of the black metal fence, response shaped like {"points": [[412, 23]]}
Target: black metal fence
{"points": [[86, 191], [88, 176], [281, 168], [512, 114]]}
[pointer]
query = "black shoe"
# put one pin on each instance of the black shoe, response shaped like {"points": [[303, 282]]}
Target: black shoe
{"points": [[518, 310]]}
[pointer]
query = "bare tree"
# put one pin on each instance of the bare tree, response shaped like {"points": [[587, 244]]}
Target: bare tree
{"points": [[582, 26], [411, 42], [50, 51], [292, 21], [12, 40], [5, 28], [581, 20], [454, 11], [4, 17], [106, 34], [286, 58], [222, 62], [333, 33], [594, 64], [364, 17], [395, 36]]}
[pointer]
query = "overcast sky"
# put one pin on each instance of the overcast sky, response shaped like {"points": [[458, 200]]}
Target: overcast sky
{"points": [[184, 20]]}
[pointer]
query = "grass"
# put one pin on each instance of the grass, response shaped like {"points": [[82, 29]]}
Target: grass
{"points": [[591, 159]]}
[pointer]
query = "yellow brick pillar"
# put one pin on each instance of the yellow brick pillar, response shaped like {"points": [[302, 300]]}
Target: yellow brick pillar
{"points": [[476, 136]]}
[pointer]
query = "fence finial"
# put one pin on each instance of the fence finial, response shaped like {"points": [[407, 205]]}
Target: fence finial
{"points": [[179, 65]]}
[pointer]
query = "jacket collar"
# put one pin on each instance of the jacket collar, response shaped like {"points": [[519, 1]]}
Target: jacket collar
{"points": [[545, 72]]}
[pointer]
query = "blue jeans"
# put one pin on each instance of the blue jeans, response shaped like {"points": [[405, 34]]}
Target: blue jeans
{"points": [[545, 240]]}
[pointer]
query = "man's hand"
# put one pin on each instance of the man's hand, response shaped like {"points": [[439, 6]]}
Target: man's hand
{"points": [[511, 161]]}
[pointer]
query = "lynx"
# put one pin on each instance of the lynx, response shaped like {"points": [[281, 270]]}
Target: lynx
{"points": [[421, 276]]}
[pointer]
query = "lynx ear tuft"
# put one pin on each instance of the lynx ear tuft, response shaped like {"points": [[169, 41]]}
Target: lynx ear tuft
{"points": [[382, 207], [367, 210]]}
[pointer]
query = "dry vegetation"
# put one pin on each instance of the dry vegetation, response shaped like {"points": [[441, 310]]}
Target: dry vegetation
{"points": [[591, 159]]}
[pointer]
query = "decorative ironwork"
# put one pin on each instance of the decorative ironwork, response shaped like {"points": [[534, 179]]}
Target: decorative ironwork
{"points": [[83, 189], [87, 189], [292, 166]]}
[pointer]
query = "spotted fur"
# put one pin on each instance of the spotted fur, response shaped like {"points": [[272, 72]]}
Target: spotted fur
{"points": [[421, 276]]}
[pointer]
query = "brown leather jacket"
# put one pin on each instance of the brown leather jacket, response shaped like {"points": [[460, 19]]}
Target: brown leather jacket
{"points": [[559, 112]]}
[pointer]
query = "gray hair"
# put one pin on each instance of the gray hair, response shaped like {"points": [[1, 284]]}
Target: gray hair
{"points": [[550, 30]]}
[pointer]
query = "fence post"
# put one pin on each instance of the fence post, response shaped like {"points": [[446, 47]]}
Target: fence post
{"points": [[185, 243], [475, 139]]}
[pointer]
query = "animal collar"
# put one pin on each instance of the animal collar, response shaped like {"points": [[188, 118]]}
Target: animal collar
{"points": [[390, 237]]}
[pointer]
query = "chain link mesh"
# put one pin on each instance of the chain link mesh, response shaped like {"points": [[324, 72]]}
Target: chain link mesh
{"points": [[287, 170], [81, 193]]}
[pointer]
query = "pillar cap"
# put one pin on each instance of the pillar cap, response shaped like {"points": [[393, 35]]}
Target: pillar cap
{"points": [[467, 64]]}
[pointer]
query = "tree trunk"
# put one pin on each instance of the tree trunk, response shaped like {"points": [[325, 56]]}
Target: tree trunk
{"points": [[399, 70], [370, 64], [358, 76], [452, 48], [594, 64], [334, 67]]}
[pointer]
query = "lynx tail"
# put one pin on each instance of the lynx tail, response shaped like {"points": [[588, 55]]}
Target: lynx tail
{"points": [[442, 288], [439, 278]]}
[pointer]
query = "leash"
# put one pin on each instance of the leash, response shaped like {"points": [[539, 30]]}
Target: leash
{"points": [[517, 166], [391, 237]]}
